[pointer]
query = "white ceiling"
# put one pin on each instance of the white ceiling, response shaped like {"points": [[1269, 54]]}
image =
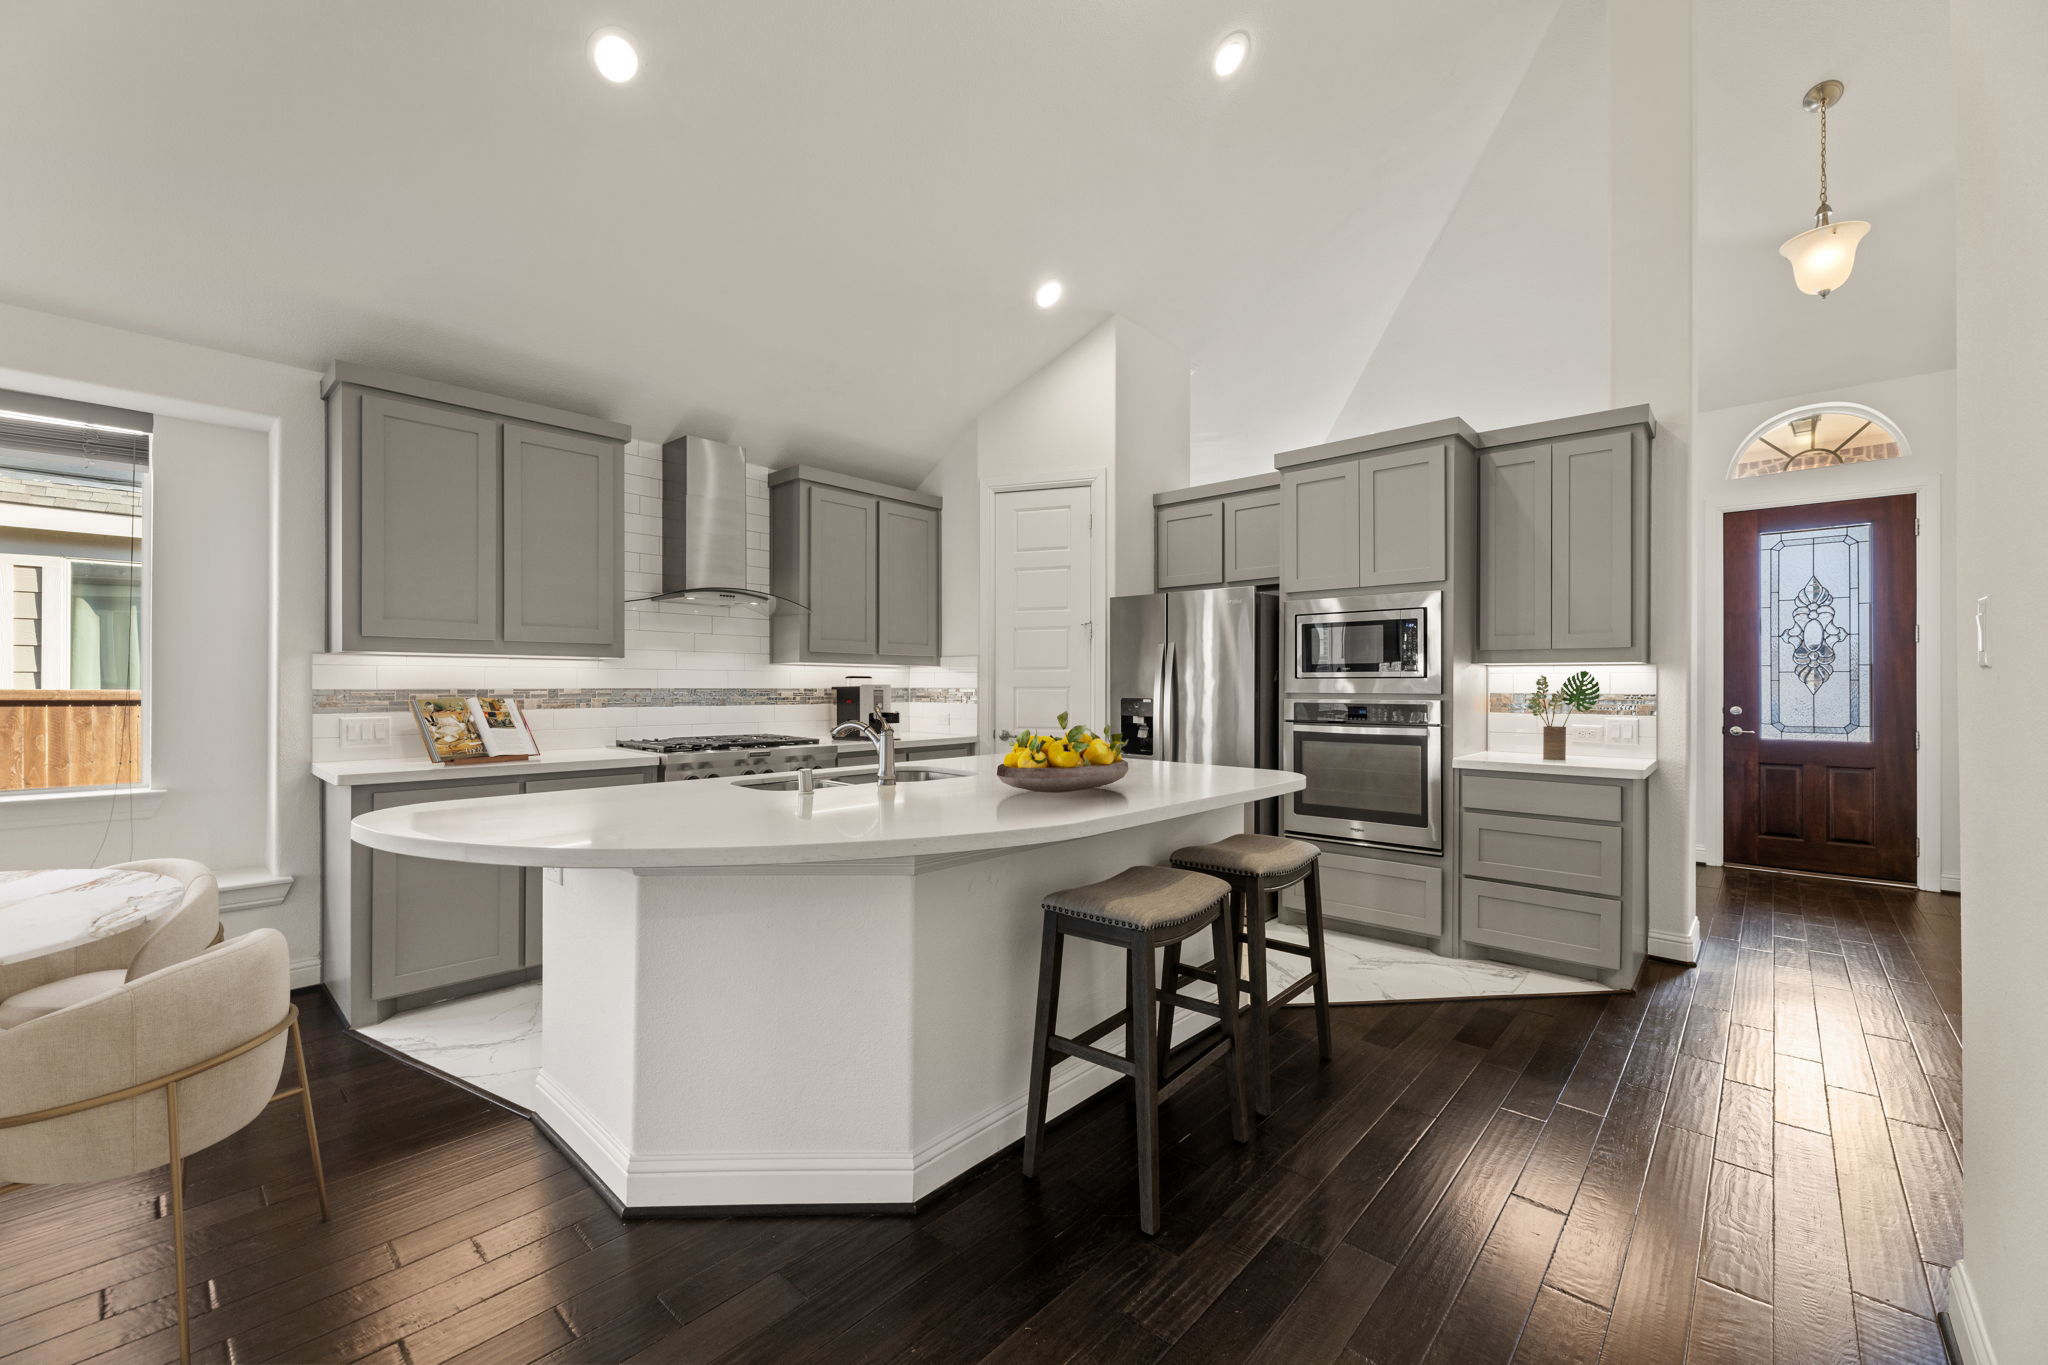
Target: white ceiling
{"points": [[1890, 161], [812, 227]]}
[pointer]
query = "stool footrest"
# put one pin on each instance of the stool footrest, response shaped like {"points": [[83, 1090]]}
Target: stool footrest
{"points": [[1199, 1006], [1109, 1060], [1191, 1067], [1103, 1029], [1293, 989], [1281, 945]]}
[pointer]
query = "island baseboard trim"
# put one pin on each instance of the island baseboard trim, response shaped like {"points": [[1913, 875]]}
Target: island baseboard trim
{"points": [[660, 1185]]}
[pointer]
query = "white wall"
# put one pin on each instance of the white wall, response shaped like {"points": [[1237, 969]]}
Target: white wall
{"points": [[1507, 321], [1924, 409], [2001, 47], [1650, 61], [1062, 420], [1152, 399], [238, 609]]}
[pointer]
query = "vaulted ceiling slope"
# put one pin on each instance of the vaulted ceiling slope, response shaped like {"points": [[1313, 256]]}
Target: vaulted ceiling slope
{"points": [[811, 227]]}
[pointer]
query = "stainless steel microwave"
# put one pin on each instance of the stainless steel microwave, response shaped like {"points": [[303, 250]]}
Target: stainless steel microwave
{"points": [[1370, 642]]}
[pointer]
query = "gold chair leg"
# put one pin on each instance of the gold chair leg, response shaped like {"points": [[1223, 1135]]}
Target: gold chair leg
{"points": [[306, 1108], [178, 1219]]}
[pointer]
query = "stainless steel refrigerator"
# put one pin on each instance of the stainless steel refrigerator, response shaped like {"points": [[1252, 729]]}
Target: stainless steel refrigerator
{"points": [[1194, 675]]}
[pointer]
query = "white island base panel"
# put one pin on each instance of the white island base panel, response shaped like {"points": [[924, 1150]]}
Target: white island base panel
{"points": [[824, 1036]]}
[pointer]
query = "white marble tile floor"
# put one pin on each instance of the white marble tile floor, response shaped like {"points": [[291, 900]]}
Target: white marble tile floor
{"points": [[492, 1040]]}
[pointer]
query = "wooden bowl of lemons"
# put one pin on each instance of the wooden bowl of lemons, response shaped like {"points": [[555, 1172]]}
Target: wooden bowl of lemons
{"points": [[1073, 759]]}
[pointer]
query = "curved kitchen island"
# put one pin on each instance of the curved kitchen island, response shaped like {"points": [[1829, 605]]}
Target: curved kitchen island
{"points": [[760, 999]]}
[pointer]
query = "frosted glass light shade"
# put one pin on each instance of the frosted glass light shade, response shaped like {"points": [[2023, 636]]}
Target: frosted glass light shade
{"points": [[1822, 257]]}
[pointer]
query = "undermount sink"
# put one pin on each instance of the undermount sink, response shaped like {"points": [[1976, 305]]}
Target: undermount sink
{"points": [[868, 776], [782, 784]]}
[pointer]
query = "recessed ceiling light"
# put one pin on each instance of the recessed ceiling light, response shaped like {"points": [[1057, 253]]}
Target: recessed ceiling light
{"points": [[1049, 293], [1231, 52], [613, 54]]}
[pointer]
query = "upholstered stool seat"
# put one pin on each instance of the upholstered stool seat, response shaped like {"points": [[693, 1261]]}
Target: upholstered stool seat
{"points": [[1282, 862], [1258, 867], [1138, 910], [1143, 898], [51, 996]]}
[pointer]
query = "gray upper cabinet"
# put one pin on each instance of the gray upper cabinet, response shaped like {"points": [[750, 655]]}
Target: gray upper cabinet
{"points": [[1403, 503], [1594, 483], [1188, 540], [842, 572], [1251, 537], [907, 579], [1564, 550], [562, 562], [856, 566], [1218, 533], [1368, 522], [428, 514], [1321, 532], [1514, 548], [464, 523]]}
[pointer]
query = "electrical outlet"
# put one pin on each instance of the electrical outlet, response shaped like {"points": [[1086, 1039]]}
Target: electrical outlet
{"points": [[1588, 731]]}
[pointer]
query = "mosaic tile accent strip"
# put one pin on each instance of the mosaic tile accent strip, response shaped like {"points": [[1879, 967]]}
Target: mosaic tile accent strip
{"points": [[1623, 704], [599, 698]]}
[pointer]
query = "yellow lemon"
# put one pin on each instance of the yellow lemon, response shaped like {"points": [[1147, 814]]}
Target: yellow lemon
{"points": [[1014, 758], [1064, 757], [1027, 759], [1099, 753]]}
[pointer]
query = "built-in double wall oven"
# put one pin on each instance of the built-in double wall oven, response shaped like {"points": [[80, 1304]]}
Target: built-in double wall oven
{"points": [[1364, 721]]}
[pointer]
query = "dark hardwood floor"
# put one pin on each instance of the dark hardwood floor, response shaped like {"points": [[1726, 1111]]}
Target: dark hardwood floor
{"points": [[1756, 1160]]}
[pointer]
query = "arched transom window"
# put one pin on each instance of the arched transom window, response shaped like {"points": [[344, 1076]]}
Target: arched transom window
{"points": [[1817, 439]]}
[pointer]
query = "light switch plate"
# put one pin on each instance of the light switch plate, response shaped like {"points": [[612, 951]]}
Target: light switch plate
{"points": [[1621, 731], [365, 732]]}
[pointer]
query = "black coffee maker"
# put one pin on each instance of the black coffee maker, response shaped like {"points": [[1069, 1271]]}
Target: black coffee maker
{"points": [[864, 702]]}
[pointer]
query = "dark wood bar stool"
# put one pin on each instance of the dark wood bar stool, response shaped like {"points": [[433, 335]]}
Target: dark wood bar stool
{"points": [[1139, 909], [1258, 866]]}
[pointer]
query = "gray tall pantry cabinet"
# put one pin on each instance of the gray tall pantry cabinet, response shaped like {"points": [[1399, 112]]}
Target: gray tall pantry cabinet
{"points": [[855, 568], [466, 523]]}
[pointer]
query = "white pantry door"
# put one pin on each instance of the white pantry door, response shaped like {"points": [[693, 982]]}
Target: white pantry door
{"points": [[1044, 609]]}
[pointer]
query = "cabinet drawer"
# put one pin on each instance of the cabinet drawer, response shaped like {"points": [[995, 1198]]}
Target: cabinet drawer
{"points": [[1378, 891], [1553, 924], [1540, 796], [1564, 854], [632, 778]]}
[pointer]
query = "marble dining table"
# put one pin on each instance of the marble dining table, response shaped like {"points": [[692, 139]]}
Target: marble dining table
{"points": [[46, 910]]}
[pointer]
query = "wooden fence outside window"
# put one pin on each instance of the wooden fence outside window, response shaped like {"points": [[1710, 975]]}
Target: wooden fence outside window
{"points": [[69, 738]]}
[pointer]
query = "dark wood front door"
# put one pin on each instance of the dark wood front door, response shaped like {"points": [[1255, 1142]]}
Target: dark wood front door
{"points": [[1819, 720]]}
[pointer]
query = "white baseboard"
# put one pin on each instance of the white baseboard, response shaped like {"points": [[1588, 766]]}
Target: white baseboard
{"points": [[305, 972], [1973, 1344], [705, 1179], [1952, 881], [1683, 947], [252, 889]]}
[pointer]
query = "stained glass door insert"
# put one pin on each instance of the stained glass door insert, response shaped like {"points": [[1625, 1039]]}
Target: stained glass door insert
{"points": [[1814, 614]]}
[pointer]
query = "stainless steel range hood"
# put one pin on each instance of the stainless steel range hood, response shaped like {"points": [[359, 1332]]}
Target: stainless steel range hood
{"points": [[704, 525]]}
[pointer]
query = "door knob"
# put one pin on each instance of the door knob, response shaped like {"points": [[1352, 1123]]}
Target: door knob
{"points": [[1738, 730]]}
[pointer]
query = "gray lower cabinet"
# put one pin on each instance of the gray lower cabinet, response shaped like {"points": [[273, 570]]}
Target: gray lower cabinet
{"points": [[1554, 868], [1188, 544], [1564, 531], [398, 926], [1366, 522], [856, 568], [1379, 892], [465, 523], [435, 923]]}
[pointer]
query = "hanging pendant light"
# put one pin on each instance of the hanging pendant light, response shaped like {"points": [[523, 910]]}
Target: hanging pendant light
{"points": [[1824, 254]]}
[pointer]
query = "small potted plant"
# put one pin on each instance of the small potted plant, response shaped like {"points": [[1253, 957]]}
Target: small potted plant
{"points": [[1579, 692]]}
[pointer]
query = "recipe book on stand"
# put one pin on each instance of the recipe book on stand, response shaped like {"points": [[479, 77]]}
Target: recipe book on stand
{"points": [[474, 729]]}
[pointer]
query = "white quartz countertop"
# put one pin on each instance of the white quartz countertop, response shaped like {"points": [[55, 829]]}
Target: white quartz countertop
{"points": [[907, 740], [1591, 765], [717, 824], [357, 772]]}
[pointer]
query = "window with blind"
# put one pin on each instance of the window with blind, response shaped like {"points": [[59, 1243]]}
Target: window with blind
{"points": [[73, 526]]}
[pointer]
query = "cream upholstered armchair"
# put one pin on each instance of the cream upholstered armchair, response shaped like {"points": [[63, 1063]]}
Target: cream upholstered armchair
{"points": [[31, 989], [152, 1071]]}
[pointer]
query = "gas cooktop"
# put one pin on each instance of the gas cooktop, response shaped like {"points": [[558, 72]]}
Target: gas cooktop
{"points": [[706, 744]]}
